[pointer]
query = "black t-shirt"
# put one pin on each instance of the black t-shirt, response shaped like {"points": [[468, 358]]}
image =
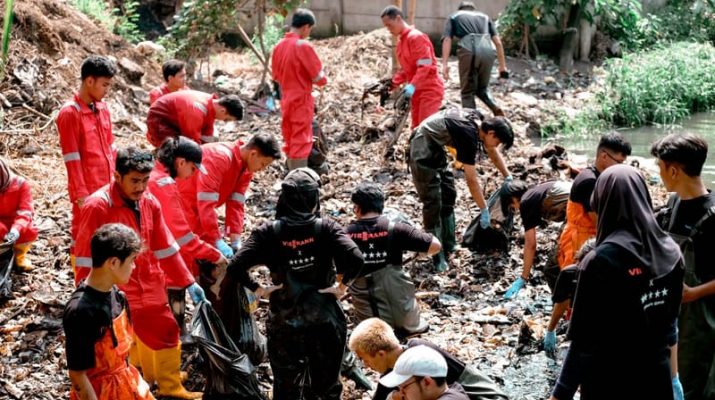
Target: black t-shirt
{"points": [[531, 203], [583, 186], [379, 248], [685, 215], [565, 284], [465, 135], [298, 256], [88, 315], [455, 368], [464, 22]]}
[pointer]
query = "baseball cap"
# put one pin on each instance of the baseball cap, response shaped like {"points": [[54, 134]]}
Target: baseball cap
{"points": [[416, 361]]}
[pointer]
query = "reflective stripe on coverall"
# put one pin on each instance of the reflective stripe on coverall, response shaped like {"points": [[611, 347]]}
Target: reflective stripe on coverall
{"points": [[16, 210]]}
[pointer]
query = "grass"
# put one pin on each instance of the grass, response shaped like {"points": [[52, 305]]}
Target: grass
{"points": [[124, 25], [7, 27], [659, 86]]}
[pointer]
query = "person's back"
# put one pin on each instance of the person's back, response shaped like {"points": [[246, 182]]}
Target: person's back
{"points": [[691, 222], [187, 113]]}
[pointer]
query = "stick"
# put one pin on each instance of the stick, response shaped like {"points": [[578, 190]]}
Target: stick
{"points": [[32, 110]]}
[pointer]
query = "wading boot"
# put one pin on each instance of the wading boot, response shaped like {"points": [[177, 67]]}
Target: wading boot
{"points": [[168, 375], [21, 261]]}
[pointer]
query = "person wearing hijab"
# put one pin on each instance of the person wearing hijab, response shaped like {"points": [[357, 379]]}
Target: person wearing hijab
{"points": [[626, 301], [311, 261], [16, 213]]}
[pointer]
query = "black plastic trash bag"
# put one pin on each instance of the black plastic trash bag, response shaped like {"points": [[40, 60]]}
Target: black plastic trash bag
{"points": [[229, 373], [494, 238], [7, 258], [235, 312]]}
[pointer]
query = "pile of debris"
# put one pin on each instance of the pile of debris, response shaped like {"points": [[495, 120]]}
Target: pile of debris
{"points": [[463, 305]]}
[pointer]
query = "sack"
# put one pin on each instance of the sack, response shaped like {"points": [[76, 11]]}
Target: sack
{"points": [[7, 259], [236, 314], [494, 238], [229, 373], [317, 160], [478, 386]]}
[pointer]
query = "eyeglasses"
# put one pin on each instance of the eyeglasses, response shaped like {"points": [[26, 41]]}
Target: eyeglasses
{"points": [[404, 387], [617, 161]]}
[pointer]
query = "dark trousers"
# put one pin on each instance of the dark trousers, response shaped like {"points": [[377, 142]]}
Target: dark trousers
{"points": [[306, 357], [434, 182], [475, 71]]}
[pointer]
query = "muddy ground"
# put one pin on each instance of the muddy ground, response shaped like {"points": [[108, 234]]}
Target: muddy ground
{"points": [[463, 306]]}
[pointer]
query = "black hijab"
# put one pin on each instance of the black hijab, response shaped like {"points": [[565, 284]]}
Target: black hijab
{"points": [[299, 201], [625, 219]]}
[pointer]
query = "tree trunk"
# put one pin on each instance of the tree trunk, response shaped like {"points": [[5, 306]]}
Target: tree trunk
{"points": [[570, 42], [411, 11], [395, 63]]}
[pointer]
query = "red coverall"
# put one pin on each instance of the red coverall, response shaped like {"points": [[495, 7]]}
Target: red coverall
{"points": [[158, 267], [164, 188], [16, 210], [187, 113], [160, 91], [296, 67], [418, 66], [225, 181], [88, 149]]}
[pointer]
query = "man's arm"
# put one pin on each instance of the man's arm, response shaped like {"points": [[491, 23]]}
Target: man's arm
{"points": [[500, 52], [434, 247], [698, 292], [68, 126], [235, 206], [496, 157], [529, 252], [558, 312], [82, 386], [446, 48], [475, 189]]}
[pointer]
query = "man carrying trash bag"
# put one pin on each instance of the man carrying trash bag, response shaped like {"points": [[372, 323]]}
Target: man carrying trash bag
{"points": [[309, 259]]}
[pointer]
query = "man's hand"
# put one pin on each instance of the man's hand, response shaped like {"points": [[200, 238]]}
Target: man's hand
{"points": [[678, 393], [409, 90], [197, 293], [224, 248], [12, 236], [80, 202], [265, 291], [338, 290], [445, 72], [236, 245], [690, 294], [515, 287], [550, 343], [485, 219], [503, 73]]}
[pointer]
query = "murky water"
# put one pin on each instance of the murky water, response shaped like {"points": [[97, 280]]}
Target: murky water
{"points": [[702, 124]]}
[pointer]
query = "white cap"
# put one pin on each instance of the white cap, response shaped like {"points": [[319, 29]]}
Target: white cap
{"points": [[416, 361]]}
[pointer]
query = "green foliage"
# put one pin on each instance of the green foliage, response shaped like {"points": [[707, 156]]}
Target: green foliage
{"points": [[659, 86], [127, 22], [123, 24], [272, 32], [198, 25], [584, 122], [7, 28]]}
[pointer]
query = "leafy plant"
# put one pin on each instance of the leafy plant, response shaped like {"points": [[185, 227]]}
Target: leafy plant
{"points": [[7, 27], [272, 32], [96, 9], [127, 22]]}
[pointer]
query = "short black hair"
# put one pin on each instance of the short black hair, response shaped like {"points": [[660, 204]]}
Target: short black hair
{"points": [[171, 68], [615, 142], [467, 5], [438, 381], [233, 104], [266, 144], [178, 146], [96, 66], [510, 190], [302, 17], [369, 197], [502, 129], [134, 159], [114, 240], [687, 150], [391, 12]]}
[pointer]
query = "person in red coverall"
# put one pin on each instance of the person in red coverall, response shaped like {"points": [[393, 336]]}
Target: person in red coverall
{"points": [[157, 348], [190, 113], [86, 139], [174, 72], [418, 66], [227, 171], [296, 68], [16, 215], [179, 158]]}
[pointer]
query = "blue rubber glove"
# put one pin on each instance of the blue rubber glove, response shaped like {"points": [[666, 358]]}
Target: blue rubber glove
{"points": [[236, 245], [224, 248], [507, 181], [12, 236], [409, 90], [678, 393], [485, 220], [197, 293], [518, 284], [550, 342]]}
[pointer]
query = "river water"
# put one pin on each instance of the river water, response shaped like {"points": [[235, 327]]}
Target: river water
{"points": [[702, 124]]}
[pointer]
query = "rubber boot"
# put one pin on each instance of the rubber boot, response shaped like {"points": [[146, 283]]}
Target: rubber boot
{"points": [[350, 370], [177, 302], [449, 243], [168, 376], [295, 163], [439, 261], [21, 261], [142, 357]]}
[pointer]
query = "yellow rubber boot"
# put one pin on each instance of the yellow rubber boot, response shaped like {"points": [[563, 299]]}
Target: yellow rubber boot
{"points": [[21, 261], [168, 375], [141, 356]]}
